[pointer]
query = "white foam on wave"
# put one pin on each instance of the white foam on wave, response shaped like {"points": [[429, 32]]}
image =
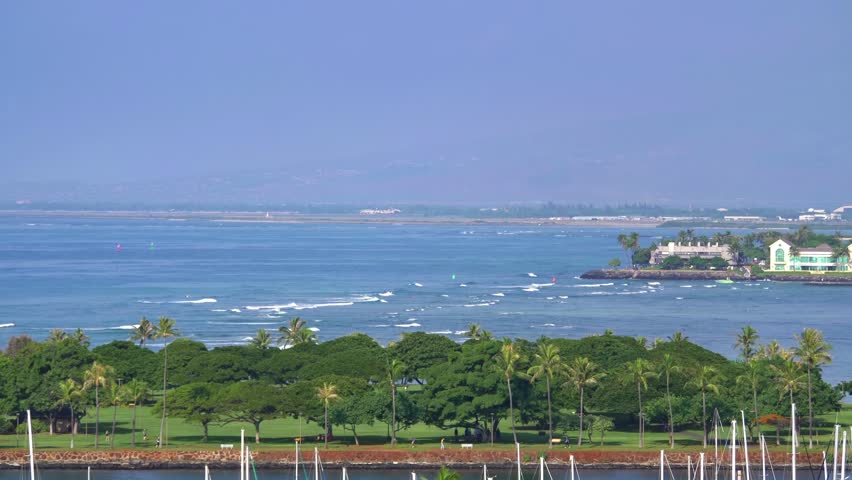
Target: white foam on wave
{"points": [[442, 332], [540, 285], [532, 275], [600, 293], [6, 325], [323, 305], [460, 332], [709, 286], [593, 285], [218, 310], [418, 284], [148, 302], [563, 296], [382, 300], [445, 295], [462, 285], [365, 299], [484, 304], [632, 293], [235, 310], [653, 283], [314, 329], [678, 298], [243, 323], [498, 294], [530, 289], [549, 325], [407, 325], [686, 286], [124, 327], [550, 298], [386, 294], [200, 300]]}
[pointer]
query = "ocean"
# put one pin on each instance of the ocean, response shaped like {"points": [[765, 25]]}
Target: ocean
{"points": [[223, 281]]}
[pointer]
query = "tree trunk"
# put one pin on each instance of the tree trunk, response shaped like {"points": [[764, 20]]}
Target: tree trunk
{"points": [[756, 415], [51, 421], [204, 427], [73, 426], [641, 418], [165, 366], [704, 416], [393, 414], [112, 433], [97, 415], [133, 427], [580, 437], [257, 432], [671, 415], [810, 412], [511, 408], [326, 426], [355, 436], [549, 415]]}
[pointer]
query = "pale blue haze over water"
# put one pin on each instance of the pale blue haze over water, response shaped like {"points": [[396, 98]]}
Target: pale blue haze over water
{"points": [[382, 280]]}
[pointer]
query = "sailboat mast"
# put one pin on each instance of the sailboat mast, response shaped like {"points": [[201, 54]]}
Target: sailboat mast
{"points": [[701, 466], [30, 440], [763, 456], [316, 463], [793, 437], [242, 453], [733, 450], [572, 466], [518, 449], [745, 447], [843, 459], [834, 457], [297, 459], [541, 467], [662, 462]]}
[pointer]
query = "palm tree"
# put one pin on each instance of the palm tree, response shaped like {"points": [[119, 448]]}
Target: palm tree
{"points": [[474, 331], [813, 352], [69, 394], [747, 342], [262, 340], [98, 375], [629, 243], [295, 333], [546, 363], [789, 376], [143, 332], [751, 377], [678, 336], [507, 361], [56, 335], [80, 337], [773, 350], [583, 373], [137, 392], [639, 372], [165, 330], [668, 367], [446, 474], [327, 393], [735, 248], [394, 372], [703, 379], [115, 395]]}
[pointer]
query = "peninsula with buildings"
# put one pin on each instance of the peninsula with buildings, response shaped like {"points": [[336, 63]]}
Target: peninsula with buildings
{"points": [[800, 256]]}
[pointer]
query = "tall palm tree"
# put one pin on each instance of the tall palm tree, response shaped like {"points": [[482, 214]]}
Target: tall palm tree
{"points": [[394, 372], [98, 375], [583, 373], [630, 244], [703, 378], [639, 372], [56, 335], [773, 350], [262, 340], [667, 367], [546, 363], [790, 377], [69, 394], [751, 377], [137, 391], [507, 362], [446, 474], [115, 395], [747, 342], [295, 333], [474, 331], [165, 330], [327, 393], [143, 332], [813, 352], [678, 336]]}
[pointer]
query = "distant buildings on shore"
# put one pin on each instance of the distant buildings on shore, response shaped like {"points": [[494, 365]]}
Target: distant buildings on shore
{"points": [[784, 257], [706, 251]]}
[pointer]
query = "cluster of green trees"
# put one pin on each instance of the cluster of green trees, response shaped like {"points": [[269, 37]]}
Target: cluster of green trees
{"points": [[749, 248], [558, 384]]}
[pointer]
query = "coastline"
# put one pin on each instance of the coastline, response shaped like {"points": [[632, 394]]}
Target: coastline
{"points": [[713, 275], [299, 218], [365, 459]]}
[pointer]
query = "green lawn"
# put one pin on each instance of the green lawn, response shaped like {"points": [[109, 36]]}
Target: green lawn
{"points": [[280, 434]]}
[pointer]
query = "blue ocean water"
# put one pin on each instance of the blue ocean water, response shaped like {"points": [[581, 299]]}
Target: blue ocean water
{"points": [[224, 281]]}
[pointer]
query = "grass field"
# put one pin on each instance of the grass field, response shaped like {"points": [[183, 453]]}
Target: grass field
{"points": [[280, 433]]}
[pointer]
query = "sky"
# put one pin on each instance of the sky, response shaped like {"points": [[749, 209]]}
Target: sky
{"points": [[675, 103]]}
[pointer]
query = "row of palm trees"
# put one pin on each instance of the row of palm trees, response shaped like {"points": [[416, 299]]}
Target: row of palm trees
{"points": [[296, 332], [100, 376]]}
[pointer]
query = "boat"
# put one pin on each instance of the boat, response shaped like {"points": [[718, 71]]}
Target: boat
{"points": [[725, 281]]}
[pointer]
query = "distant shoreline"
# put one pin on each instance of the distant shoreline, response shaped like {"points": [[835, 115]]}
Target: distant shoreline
{"points": [[300, 218]]}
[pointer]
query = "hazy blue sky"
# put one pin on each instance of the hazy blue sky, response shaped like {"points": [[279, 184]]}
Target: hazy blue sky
{"points": [[668, 102]]}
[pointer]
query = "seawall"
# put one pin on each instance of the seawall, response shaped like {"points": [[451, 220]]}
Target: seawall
{"points": [[713, 275], [372, 458]]}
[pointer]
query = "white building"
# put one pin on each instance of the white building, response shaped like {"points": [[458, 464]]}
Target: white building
{"points": [[817, 259], [706, 251]]}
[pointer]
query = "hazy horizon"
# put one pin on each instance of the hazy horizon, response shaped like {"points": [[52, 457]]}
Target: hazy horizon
{"points": [[481, 103]]}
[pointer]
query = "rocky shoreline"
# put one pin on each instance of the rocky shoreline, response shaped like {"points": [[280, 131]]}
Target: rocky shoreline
{"points": [[713, 275], [400, 458]]}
